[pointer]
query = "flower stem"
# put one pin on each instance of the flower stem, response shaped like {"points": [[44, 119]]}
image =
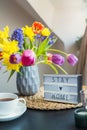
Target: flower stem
{"points": [[58, 51], [42, 61], [61, 69], [52, 66]]}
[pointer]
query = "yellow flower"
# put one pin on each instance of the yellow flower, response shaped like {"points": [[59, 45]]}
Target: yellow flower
{"points": [[5, 33], [10, 46], [10, 66], [29, 33], [45, 32]]}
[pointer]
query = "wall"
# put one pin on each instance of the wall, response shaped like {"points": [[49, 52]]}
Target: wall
{"points": [[69, 19], [14, 16], [44, 8]]}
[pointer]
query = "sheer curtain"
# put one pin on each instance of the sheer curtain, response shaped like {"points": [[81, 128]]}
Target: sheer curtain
{"points": [[82, 64]]}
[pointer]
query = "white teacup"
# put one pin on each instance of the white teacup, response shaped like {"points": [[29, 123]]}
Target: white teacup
{"points": [[8, 103]]}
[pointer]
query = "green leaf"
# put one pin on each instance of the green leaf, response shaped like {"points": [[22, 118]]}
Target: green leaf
{"points": [[12, 72], [49, 45], [31, 44], [42, 47], [27, 43]]}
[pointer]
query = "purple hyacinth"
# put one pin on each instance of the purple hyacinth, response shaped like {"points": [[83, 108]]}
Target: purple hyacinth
{"points": [[15, 58], [51, 35], [51, 42], [43, 38], [51, 39], [38, 36], [72, 59], [58, 59], [18, 36]]}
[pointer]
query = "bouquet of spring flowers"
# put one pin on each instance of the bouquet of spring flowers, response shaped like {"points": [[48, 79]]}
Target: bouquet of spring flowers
{"points": [[31, 45]]}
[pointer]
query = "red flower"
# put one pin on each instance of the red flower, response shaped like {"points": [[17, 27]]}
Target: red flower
{"points": [[37, 27], [49, 58], [1, 55], [28, 58]]}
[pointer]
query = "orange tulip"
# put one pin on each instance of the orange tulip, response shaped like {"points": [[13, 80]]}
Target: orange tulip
{"points": [[37, 27]]}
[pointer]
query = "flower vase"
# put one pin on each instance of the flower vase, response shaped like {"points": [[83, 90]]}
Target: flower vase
{"points": [[28, 82]]}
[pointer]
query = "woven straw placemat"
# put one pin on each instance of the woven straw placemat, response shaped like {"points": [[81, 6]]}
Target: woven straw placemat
{"points": [[37, 102]]}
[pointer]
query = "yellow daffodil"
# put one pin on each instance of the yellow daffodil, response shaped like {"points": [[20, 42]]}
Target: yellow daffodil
{"points": [[27, 31], [45, 32], [10, 47], [5, 33], [10, 66]]}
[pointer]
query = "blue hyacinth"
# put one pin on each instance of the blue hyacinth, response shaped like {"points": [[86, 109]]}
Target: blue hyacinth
{"points": [[18, 36]]}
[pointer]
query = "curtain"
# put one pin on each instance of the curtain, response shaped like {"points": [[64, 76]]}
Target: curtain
{"points": [[82, 64]]}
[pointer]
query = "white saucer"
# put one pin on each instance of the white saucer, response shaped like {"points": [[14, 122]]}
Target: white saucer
{"points": [[21, 108]]}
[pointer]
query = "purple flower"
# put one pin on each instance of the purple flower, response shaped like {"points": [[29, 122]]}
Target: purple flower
{"points": [[18, 36], [43, 38], [58, 59], [15, 58], [72, 59], [28, 58], [51, 39], [51, 35], [38, 36], [51, 42]]}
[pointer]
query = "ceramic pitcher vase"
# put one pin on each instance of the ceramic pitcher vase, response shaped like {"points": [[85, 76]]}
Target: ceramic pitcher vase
{"points": [[28, 82]]}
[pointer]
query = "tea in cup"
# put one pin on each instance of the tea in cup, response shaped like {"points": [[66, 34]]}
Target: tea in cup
{"points": [[9, 102]]}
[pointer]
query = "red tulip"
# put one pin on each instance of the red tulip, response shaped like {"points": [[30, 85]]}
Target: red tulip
{"points": [[28, 58]]}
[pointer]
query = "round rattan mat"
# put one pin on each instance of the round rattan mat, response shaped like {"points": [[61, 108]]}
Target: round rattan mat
{"points": [[37, 102]]}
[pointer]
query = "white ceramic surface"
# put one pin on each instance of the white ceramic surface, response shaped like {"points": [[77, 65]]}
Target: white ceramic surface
{"points": [[20, 109], [8, 107]]}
